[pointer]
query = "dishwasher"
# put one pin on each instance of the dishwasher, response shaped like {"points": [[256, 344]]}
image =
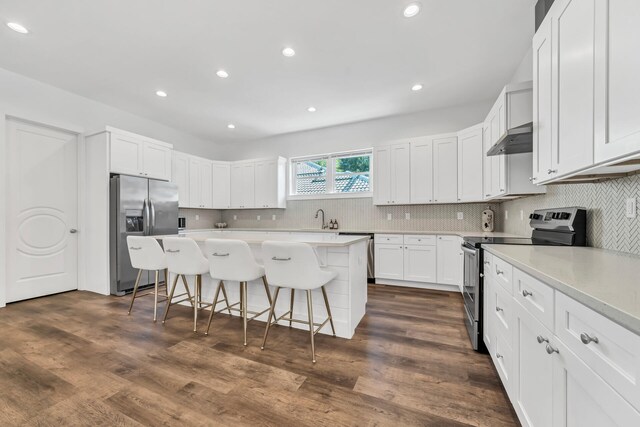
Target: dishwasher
{"points": [[370, 254]]}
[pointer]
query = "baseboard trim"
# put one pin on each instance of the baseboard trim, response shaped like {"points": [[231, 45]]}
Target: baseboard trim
{"points": [[419, 285]]}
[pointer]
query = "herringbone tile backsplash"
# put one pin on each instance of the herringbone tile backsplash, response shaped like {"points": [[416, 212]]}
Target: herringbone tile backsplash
{"points": [[607, 225]]}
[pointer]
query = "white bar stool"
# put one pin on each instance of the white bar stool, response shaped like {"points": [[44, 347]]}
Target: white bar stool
{"points": [[294, 266], [185, 258], [233, 260], [147, 254]]}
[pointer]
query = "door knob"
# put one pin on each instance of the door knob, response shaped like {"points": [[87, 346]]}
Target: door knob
{"points": [[73, 231]]}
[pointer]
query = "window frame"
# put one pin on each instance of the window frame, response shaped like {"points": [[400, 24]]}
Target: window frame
{"points": [[330, 192]]}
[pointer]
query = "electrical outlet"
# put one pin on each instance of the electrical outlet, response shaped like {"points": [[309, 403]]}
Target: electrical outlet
{"points": [[506, 214], [258, 217], [407, 215], [197, 217], [521, 215], [630, 210], [273, 217], [235, 217], [389, 217], [460, 215]]}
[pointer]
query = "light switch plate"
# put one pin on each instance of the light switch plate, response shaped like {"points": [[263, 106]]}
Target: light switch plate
{"points": [[506, 214], [460, 215], [197, 217], [388, 217], [273, 217], [235, 217], [407, 215], [258, 217], [630, 208], [521, 215]]}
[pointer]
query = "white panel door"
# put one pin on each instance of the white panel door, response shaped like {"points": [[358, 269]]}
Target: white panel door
{"points": [[157, 161], [422, 171], [42, 211], [470, 162], [401, 173], [126, 155], [542, 116], [382, 175], [221, 185], [573, 85], [445, 170], [420, 263], [266, 184], [582, 398], [617, 114], [180, 177], [389, 262]]}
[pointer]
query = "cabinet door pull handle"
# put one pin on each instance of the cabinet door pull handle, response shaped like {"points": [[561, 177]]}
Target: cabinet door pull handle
{"points": [[550, 349], [526, 293], [487, 263], [542, 339], [499, 356], [586, 338], [499, 272], [281, 259], [498, 309], [173, 251]]}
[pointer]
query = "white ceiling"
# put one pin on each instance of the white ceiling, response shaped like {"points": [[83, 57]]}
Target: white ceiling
{"points": [[355, 59]]}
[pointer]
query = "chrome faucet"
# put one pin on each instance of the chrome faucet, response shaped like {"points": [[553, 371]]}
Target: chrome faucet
{"points": [[324, 224]]}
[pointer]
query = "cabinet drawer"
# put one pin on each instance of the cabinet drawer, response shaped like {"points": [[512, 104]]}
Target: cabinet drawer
{"points": [[502, 305], [534, 296], [503, 360], [487, 262], [503, 273], [418, 240], [390, 239], [610, 350]]}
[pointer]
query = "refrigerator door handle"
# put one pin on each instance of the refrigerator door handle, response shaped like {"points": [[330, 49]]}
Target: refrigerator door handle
{"points": [[146, 214], [153, 217]]}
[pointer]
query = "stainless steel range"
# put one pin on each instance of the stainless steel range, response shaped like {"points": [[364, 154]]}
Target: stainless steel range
{"points": [[551, 227]]}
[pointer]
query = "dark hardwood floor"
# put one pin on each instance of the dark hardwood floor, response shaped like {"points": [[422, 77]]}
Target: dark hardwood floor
{"points": [[78, 359]]}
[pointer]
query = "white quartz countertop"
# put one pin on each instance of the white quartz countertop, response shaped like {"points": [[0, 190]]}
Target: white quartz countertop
{"points": [[606, 281], [327, 231], [314, 239]]}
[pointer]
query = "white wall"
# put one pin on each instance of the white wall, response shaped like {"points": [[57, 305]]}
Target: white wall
{"points": [[524, 72], [362, 134]]}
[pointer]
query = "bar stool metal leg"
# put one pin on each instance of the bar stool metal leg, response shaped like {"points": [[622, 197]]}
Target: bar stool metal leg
{"points": [[266, 288], [213, 307], [224, 294], [135, 290], [155, 297], [170, 298], [326, 303], [186, 288], [311, 331], [271, 311], [293, 294], [195, 305], [166, 282], [244, 311]]}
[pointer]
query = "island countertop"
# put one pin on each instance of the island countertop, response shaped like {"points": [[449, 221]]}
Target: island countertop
{"points": [[606, 281], [257, 237]]}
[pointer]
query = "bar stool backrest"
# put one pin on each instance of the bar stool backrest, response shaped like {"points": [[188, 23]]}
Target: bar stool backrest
{"points": [[293, 265], [146, 253], [184, 256], [232, 260]]}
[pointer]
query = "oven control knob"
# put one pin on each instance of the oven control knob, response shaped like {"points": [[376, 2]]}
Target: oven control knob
{"points": [[565, 215], [535, 216]]}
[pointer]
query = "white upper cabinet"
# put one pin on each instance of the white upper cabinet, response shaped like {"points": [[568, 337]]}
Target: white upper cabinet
{"points": [[470, 164], [132, 154], [180, 177], [392, 174], [258, 184], [445, 169], [542, 96], [221, 185], [200, 183], [243, 185], [422, 170], [617, 33], [573, 85]]}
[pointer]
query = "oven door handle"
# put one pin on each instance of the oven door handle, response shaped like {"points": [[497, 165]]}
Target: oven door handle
{"points": [[467, 250]]}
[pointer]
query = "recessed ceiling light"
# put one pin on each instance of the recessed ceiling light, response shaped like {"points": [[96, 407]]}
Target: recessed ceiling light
{"points": [[231, 126], [161, 93], [17, 28], [311, 109], [412, 10], [416, 87], [222, 74], [288, 52]]}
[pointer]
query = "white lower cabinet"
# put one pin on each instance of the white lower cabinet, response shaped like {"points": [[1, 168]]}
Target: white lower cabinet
{"points": [[561, 363], [411, 260]]}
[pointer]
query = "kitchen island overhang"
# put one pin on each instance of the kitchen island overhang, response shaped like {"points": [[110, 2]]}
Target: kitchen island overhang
{"points": [[347, 293]]}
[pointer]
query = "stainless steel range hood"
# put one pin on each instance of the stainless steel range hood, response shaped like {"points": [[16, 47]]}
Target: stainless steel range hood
{"points": [[515, 141]]}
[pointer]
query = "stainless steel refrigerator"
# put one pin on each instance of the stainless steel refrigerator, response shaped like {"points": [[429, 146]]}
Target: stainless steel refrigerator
{"points": [[138, 207]]}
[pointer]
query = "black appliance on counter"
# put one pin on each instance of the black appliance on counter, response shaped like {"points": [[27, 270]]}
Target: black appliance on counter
{"points": [[551, 227]]}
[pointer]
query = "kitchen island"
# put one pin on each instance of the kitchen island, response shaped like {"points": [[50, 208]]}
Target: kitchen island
{"points": [[347, 293]]}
